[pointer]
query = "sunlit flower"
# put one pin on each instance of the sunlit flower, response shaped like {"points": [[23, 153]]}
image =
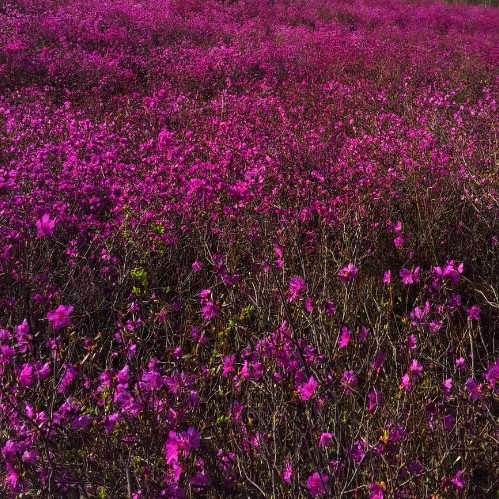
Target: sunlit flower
{"points": [[61, 316]]}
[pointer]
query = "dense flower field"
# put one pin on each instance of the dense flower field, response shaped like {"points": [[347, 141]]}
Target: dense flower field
{"points": [[248, 248]]}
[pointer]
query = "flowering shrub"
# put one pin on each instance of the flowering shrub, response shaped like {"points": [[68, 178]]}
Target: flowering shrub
{"points": [[248, 249]]}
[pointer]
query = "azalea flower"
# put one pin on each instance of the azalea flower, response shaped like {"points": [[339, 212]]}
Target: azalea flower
{"points": [[410, 277], [458, 480], [329, 308], [474, 389], [348, 274], [345, 337], [296, 287], [287, 473], [376, 399], [61, 316], [308, 389], [210, 310], [376, 491], [492, 374], [317, 485], [447, 387], [45, 226], [474, 313], [325, 439], [197, 266], [27, 377], [349, 381]]}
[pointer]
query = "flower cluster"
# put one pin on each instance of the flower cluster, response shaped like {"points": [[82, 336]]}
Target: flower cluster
{"points": [[248, 248]]}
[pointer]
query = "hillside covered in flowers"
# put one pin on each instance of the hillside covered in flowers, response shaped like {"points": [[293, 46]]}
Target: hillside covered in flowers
{"points": [[248, 249]]}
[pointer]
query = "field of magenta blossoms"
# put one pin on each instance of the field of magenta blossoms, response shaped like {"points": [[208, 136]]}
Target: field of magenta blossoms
{"points": [[248, 249]]}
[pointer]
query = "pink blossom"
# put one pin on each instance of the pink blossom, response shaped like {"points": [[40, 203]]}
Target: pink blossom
{"points": [[296, 287], [458, 480], [359, 451], [348, 274], [325, 439], [210, 310], [287, 473], [345, 337], [197, 266], [474, 389], [349, 382], [492, 374], [61, 316], [308, 389], [329, 308], [410, 276], [31, 456], [447, 387], [363, 334], [45, 226], [228, 365], [27, 377], [416, 369], [317, 485], [406, 383], [44, 372], [474, 313], [398, 242], [309, 305], [376, 491]]}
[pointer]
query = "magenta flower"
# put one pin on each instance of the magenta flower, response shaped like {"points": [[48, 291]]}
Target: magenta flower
{"points": [[492, 374], [458, 480], [406, 383], [376, 491], [474, 389], [348, 274], [296, 287], [45, 226], [376, 399], [308, 389], [329, 308], [349, 382], [27, 377], [447, 387], [363, 334], [410, 276], [197, 266], [416, 369], [474, 313], [228, 365], [325, 439], [345, 337], [151, 381], [180, 444], [309, 305], [61, 316], [317, 485], [210, 310], [359, 451], [398, 242], [287, 473], [31, 456], [387, 277], [44, 372]]}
